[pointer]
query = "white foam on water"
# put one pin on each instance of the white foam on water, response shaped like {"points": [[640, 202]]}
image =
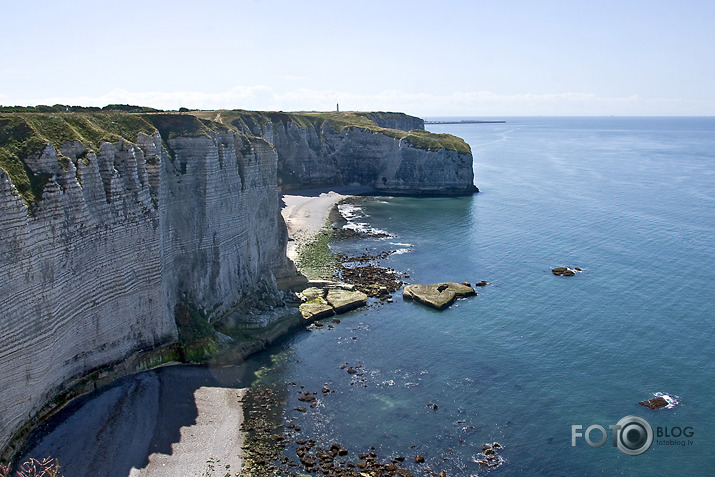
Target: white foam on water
{"points": [[401, 251], [351, 211], [672, 400]]}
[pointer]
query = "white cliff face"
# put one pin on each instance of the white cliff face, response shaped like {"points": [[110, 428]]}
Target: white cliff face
{"points": [[94, 273], [222, 237], [81, 278], [314, 158], [399, 121]]}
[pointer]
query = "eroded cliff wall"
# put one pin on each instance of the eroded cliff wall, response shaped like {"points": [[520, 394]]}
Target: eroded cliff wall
{"points": [[81, 277], [401, 121], [92, 273]]}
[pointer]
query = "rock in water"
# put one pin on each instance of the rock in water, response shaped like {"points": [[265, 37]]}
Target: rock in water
{"points": [[564, 271], [658, 402], [311, 294], [346, 300], [316, 309], [438, 296]]}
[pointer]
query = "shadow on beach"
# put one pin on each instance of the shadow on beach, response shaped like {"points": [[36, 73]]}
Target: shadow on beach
{"points": [[119, 430]]}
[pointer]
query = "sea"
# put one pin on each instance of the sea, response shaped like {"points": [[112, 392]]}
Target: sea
{"points": [[546, 366]]}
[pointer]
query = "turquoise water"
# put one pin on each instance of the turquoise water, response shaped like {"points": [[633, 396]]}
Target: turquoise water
{"points": [[631, 201]]}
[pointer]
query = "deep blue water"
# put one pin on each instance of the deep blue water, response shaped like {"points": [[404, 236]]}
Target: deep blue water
{"points": [[631, 201]]}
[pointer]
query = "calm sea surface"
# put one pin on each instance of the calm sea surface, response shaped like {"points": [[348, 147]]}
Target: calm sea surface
{"points": [[631, 201]]}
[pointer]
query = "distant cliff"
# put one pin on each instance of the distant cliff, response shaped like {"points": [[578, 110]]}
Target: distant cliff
{"points": [[324, 149], [109, 221]]}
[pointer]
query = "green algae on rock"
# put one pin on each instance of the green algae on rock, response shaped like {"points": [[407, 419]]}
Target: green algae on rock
{"points": [[320, 303], [316, 309], [345, 300]]}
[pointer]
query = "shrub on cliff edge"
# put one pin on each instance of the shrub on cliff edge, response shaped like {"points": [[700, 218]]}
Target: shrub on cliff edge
{"points": [[47, 467]]}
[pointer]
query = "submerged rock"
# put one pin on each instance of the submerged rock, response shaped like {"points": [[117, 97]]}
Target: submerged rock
{"points": [[439, 295]]}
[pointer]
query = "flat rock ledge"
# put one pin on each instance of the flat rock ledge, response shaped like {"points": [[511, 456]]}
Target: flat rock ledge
{"points": [[439, 295], [321, 303]]}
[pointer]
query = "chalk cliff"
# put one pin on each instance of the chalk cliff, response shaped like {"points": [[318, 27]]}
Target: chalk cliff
{"points": [[400, 121], [321, 150], [108, 222]]}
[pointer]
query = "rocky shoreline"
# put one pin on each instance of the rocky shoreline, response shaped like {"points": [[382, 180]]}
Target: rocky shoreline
{"points": [[275, 442], [268, 436], [267, 432]]}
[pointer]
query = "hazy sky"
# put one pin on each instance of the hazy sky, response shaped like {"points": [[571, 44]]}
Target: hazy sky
{"points": [[447, 57]]}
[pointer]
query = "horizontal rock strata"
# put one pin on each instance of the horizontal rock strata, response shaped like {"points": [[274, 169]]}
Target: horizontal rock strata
{"points": [[93, 271], [316, 152]]}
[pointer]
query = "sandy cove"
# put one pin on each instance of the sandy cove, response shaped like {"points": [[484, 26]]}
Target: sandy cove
{"points": [[306, 212]]}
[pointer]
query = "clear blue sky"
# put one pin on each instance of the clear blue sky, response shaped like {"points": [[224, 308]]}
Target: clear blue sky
{"points": [[471, 58]]}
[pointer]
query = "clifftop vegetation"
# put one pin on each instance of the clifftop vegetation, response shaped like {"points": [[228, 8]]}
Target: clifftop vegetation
{"points": [[254, 121], [25, 131]]}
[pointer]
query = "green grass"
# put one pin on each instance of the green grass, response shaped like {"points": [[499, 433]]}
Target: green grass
{"points": [[27, 133], [434, 142], [23, 134], [18, 141]]}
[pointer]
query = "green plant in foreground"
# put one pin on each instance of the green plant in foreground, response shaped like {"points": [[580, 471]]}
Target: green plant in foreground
{"points": [[47, 467]]}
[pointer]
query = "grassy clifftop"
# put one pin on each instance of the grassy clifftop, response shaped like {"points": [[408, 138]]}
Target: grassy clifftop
{"points": [[255, 121], [24, 132]]}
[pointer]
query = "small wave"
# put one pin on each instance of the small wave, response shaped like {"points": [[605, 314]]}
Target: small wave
{"points": [[489, 461], [350, 211], [364, 228], [671, 399], [401, 251]]}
